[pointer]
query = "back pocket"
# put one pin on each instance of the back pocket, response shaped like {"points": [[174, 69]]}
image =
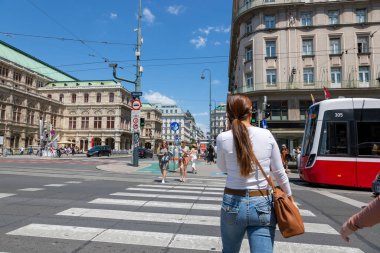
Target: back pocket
{"points": [[264, 212], [230, 208]]}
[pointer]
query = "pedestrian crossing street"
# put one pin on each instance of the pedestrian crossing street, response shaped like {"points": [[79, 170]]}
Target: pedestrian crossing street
{"points": [[171, 208]]}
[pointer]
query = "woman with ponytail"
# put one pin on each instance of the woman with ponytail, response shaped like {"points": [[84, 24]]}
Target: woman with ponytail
{"points": [[247, 202]]}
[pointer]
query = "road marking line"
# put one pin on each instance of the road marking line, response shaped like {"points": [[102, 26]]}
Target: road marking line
{"points": [[179, 205], [172, 218], [58, 232], [31, 189], [73, 182], [165, 196], [168, 190], [160, 239], [293, 247], [55, 185], [168, 186], [142, 216], [343, 199], [4, 195]]}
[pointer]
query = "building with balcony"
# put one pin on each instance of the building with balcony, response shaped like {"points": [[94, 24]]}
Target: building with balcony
{"points": [[218, 120], [187, 130], [81, 112], [289, 50], [150, 136]]}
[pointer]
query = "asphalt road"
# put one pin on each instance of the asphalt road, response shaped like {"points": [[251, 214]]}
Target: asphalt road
{"points": [[70, 206]]}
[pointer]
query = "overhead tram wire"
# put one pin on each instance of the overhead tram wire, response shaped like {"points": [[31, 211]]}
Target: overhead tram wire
{"points": [[66, 39], [155, 65], [66, 29]]}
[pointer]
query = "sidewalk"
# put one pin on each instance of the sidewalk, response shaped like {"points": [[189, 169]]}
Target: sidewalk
{"points": [[63, 157], [151, 167]]}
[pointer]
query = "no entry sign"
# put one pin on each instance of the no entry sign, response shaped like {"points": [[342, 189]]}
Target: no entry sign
{"points": [[136, 104]]}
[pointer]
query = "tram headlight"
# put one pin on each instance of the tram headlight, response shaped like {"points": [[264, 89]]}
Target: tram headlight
{"points": [[311, 161]]}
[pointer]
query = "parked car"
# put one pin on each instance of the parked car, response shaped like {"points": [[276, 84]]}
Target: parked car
{"points": [[376, 185], [99, 151], [145, 152]]}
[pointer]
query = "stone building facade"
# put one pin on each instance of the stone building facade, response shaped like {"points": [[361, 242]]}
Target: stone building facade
{"points": [[94, 113], [172, 113], [83, 113], [289, 50], [218, 120], [150, 136]]}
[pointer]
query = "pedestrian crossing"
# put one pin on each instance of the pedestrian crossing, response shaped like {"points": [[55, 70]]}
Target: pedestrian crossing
{"points": [[172, 209]]}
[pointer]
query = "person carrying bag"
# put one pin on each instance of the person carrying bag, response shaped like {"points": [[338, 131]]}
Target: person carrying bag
{"points": [[248, 154], [287, 214]]}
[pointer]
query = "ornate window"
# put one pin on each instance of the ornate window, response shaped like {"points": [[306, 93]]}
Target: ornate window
{"points": [[110, 122], [72, 122], [2, 112], [85, 121], [73, 98], [86, 97], [97, 122]]}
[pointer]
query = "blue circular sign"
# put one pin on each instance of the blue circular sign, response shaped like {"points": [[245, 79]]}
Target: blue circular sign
{"points": [[174, 126]]}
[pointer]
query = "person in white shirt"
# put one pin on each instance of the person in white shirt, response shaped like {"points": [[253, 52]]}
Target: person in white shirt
{"points": [[247, 201], [194, 157]]}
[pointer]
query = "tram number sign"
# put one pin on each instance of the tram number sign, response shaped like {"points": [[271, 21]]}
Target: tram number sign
{"points": [[136, 104]]}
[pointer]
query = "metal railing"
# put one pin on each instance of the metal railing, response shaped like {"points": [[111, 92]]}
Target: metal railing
{"points": [[260, 3]]}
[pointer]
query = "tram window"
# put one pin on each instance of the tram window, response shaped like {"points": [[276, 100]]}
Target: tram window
{"points": [[368, 138], [311, 126], [334, 139]]}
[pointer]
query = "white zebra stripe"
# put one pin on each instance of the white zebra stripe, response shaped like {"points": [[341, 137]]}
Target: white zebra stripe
{"points": [[181, 205], [169, 190], [171, 218], [140, 203], [160, 239], [31, 189], [168, 186], [165, 196], [4, 195]]}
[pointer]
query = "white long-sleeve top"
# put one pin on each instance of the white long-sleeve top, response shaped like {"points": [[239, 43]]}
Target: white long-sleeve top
{"points": [[267, 153]]}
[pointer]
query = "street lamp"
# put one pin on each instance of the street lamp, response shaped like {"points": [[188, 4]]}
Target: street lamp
{"points": [[203, 77]]}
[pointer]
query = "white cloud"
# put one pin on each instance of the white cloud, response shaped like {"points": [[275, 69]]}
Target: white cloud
{"points": [[200, 114], [222, 29], [175, 9], [218, 29], [199, 42], [215, 82], [217, 43], [155, 97], [206, 30], [148, 16], [113, 15]]}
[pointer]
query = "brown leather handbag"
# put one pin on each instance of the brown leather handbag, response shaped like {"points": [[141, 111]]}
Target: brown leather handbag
{"points": [[288, 216]]}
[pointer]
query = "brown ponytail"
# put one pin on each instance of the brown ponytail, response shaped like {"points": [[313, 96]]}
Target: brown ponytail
{"points": [[239, 108]]}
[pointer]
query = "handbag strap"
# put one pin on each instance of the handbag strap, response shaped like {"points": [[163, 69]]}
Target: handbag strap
{"points": [[269, 180]]}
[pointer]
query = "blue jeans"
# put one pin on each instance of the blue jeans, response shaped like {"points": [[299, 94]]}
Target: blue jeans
{"points": [[252, 214]]}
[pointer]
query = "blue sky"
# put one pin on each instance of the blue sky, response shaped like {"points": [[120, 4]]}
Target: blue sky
{"points": [[180, 39]]}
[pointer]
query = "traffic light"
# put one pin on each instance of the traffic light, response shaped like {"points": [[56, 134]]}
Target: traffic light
{"points": [[267, 111], [142, 122], [254, 118]]}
